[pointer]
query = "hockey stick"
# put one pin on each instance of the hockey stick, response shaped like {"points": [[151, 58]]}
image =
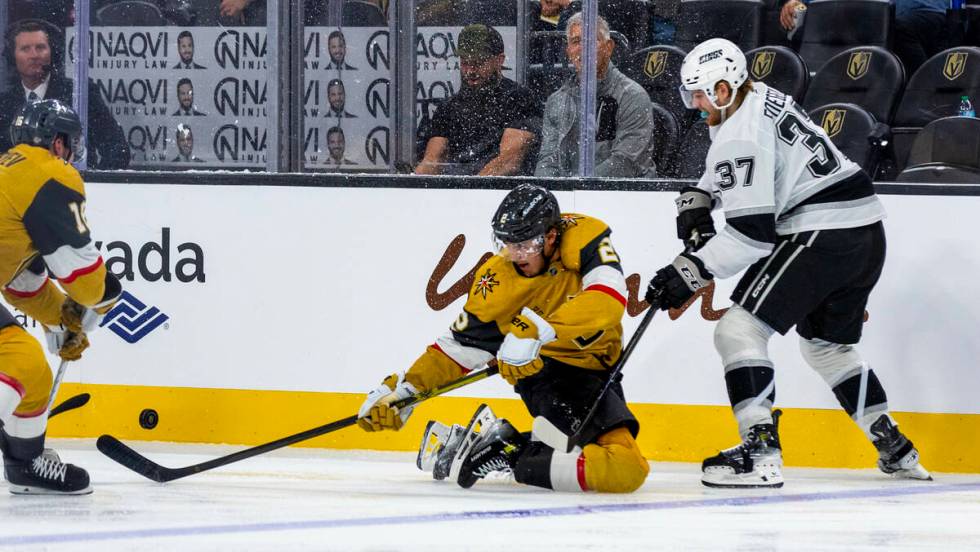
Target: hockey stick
{"points": [[555, 438], [59, 375], [70, 403], [129, 458]]}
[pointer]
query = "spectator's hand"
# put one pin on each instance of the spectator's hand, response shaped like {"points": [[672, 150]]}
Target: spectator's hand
{"points": [[233, 8], [786, 15]]}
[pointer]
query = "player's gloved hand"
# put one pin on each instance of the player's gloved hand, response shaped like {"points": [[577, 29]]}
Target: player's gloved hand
{"points": [[677, 282], [377, 413], [518, 356], [78, 318], [66, 344], [694, 222]]}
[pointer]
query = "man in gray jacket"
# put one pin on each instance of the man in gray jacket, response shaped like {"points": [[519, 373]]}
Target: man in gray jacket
{"points": [[624, 118]]}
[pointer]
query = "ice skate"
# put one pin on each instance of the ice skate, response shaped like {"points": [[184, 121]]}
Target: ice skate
{"points": [[45, 475], [494, 448], [896, 454], [439, 445], [757, 462]]}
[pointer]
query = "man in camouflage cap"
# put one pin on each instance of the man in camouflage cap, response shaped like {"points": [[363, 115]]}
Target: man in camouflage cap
{"points": [[491, 126]]}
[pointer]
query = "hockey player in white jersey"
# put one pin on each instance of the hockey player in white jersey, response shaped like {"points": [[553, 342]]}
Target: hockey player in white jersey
{"points": [[806, 223]]}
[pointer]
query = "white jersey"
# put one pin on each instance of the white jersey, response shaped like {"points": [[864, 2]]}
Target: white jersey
{"points": [[776, 173]]}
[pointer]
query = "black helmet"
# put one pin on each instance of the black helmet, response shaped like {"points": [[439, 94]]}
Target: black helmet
{"points": [[39, 123], [527, 212]]}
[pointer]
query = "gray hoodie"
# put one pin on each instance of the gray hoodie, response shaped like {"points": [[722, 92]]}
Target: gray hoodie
{"points": [[624, 141]]}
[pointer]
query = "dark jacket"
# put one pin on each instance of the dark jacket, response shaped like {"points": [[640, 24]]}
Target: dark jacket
{"points": [[105, 142]]}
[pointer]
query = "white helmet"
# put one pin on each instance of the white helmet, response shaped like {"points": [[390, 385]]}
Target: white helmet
{"points": [[708, 63]]}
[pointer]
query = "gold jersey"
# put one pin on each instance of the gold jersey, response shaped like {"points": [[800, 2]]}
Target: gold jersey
{"points": [[582, 294], [43, 231]]}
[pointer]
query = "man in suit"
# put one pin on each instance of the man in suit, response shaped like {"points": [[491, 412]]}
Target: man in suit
{"points": [[185, 97], [185, 48], [185, 145], [337, 98], [29, 50]]}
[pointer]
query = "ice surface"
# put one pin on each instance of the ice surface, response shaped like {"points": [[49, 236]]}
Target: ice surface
{"points": [[332, 500]]}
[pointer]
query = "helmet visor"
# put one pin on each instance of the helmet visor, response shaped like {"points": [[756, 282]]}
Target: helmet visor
{"points": [[687, 96], [520, 251]]}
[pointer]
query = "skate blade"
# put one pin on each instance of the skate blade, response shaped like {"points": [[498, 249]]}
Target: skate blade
{"points": [[718, 479], [917, 472], [482, 417], [27, 490], [433, 439]]}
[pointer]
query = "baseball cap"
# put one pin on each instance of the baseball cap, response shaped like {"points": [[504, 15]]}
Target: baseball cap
{"points": [[479, 40]]}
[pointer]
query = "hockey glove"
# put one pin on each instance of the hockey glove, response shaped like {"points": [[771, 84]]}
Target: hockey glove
{"points": [[677, 282], [78, 318], [68, 345], [377, 414], [694, 222], [518, 356]]}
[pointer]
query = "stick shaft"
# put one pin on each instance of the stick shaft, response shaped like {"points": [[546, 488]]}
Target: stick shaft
{"points": [[59, 375]]}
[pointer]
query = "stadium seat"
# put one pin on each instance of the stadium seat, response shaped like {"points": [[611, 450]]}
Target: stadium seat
{"points": [[737, 20], [665, 139], [933, 92], [130, 13], [363, 14], [780, 68], [868, 76], [832, 26], [693, 150], [854, 131], [773, 33], [544, 79], [488, 12], [658, 70], [946, 150]]}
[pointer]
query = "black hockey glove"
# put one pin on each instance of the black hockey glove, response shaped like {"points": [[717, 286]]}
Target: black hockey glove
{"points": [[677, 282], [694, 223]]}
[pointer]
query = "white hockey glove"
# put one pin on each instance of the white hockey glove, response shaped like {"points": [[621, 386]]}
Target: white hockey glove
{"points": [[376, 412], [518, 356]]}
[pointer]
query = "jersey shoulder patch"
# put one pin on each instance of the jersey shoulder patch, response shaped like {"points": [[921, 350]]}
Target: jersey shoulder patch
{"points": [[579, 232]]}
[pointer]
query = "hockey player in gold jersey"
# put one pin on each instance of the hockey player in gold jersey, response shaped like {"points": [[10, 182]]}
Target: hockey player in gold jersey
{"points": [[548, 307], [44, 235]]}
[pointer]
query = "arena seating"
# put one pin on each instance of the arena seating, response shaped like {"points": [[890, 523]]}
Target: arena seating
{"points": [[832, 26], [658, 70], [693, 150], [779, 67], [665, 136], [737, 20], [946, 150], [130, 13], [934, 92], [868, 76], [357, 13], [854, 131]]}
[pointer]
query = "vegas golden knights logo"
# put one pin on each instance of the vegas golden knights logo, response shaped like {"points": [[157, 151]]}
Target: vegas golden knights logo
{"points": [[833, 121], [955, 65], [858, 64], [655, 65], [762, 64]]}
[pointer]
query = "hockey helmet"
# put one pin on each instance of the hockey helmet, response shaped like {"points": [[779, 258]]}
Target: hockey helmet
{"points": [[39, 123], [708, 63], [524, 216]]}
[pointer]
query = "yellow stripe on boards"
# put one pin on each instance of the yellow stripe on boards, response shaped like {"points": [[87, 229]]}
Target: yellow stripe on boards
{"points": [[675, 433]]}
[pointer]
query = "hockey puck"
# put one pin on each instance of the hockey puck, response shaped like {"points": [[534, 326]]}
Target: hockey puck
{"points": [[149, 418]]}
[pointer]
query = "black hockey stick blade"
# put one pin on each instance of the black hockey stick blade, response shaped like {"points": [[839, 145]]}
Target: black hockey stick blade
{"points": [[129, 458], [71, 403]]}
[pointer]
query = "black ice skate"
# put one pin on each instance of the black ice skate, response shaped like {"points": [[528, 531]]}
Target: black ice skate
{"points": [[489, 445], [896, 454], [757, 462], [45, 475], [439, 445]]}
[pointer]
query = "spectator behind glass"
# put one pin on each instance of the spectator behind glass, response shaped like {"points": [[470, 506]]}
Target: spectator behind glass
{"points": [[29, 49], [243, 12], [491, 125], [624, 117], [920, 29]]}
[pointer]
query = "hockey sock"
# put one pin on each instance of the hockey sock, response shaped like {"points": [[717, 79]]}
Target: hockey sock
{"points": [[742, 340], [752, 391]]}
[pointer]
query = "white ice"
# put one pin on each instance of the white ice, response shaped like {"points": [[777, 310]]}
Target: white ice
{"points": [[305, 499]]}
